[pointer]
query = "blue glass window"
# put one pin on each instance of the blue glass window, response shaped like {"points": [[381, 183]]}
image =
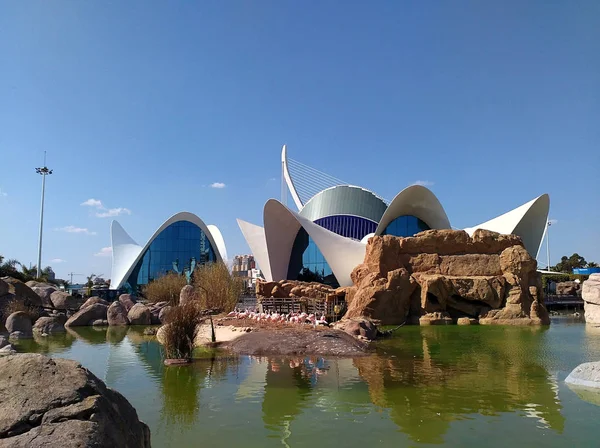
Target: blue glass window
{"points": [[180, 241], [406, 225], [349, 226], [307, 263]]}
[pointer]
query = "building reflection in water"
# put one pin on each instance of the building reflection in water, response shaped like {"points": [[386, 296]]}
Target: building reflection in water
{"points": [[429, 382]]}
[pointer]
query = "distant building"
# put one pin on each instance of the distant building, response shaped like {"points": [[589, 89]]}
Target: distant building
{"points": [[244, 267], [51, 274]]}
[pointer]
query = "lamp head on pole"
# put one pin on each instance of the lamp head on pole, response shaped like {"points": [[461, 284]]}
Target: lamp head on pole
{"points": [[43, 170]]}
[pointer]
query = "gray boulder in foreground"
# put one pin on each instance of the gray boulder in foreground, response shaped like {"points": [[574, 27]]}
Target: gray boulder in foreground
{"points": [[56, 402], [586, 374]]}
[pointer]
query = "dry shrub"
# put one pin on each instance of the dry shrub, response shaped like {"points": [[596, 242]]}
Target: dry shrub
{"points": [[217, 289], [165, 289], [18, 305], [181, 329]]}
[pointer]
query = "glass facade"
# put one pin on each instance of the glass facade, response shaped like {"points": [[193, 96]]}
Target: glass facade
{"points": [[349, 226], [406, 225], [180, 241], [307, 263]]}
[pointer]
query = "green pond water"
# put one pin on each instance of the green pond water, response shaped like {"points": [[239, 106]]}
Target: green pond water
{"points": [[452, 386]]}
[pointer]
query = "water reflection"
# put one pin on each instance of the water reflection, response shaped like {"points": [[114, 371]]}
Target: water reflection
{"points": [[443, 376], [421, 382]]}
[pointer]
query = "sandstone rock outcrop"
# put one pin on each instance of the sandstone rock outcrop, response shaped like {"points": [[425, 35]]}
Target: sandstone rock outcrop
{"points": [[358, 327], [87, 315], [438, 276], [590, 293], [163, 315], [139, 314], [117, 314], [56, 402]]}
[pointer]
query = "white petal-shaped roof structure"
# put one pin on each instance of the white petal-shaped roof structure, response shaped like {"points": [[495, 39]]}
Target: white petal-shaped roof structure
{"points": [[281, 227], [527, 221], [255, 237], [126, 253], [417, 201]]}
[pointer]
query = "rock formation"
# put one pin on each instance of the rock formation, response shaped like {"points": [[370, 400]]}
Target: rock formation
{"points": [[127, 300], [93, 300], [590, 293], [139, 314], [56, 402], [293, 288], [19, 322], [117, 314], [439, 276], [567, 288], [49, 325], [87, 315], [64, 301]]}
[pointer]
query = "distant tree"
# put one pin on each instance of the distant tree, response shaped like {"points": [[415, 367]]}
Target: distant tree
{"points": [[567, 264], [90, 283], [592, 264]]}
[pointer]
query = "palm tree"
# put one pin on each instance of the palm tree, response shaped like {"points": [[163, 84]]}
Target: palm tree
{"points": [[592, 264]]}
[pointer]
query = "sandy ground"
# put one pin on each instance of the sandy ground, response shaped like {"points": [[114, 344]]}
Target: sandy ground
{"points": [[223, 334]]}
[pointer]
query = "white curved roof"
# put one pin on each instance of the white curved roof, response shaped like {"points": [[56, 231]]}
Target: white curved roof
{"points": [[527, 221], [417, 201], [255, 237], [126, 252], [281, 227]]}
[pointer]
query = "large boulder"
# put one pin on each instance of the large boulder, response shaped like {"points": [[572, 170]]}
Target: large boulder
{"points": [[19, 321], [117, 314], [590, 293], [56, 402], [44, 292], [586, 374], [127, 300], [4, 288], [164, 314], [93, 300], [362, 328], [64, 301], [87, 315], [139, 314], [49, 325], [22, 292]]}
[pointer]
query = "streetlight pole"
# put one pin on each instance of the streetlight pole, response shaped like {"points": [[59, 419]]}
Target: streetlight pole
{"points": [[44, 171]]}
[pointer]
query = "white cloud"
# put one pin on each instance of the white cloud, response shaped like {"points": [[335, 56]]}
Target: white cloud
{"points": [[104, 252], [424, 183], [104, 212], [58, 260], [113, 212], [73, 229], [217, 185], [93, 203], [3, 193]]}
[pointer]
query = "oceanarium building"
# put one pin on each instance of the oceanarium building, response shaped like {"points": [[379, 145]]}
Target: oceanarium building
{"points": [[179, 240], [325, 239]]}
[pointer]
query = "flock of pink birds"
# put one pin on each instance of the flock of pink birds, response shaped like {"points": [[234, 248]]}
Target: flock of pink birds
{"points": [[292, 318]]}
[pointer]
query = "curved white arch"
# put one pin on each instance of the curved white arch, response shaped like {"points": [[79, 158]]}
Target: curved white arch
{"points": [[527, 221], [220, 242], [255, 237], [123, 257], [417, 201], [288, 179], [281, 227]]}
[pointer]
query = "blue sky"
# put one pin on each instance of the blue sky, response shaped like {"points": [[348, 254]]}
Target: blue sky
{"points": [[143, 105]]}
